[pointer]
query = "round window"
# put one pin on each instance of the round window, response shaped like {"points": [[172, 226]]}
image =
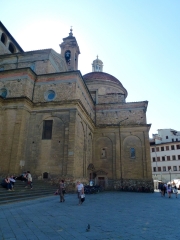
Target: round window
{"points": [[50, 95], [3, 92]]}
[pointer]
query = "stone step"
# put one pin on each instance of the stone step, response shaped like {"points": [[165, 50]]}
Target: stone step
{"points": [[20, 193], [25, 198]]}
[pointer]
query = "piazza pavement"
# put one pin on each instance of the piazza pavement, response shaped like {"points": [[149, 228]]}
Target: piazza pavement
{"points": [[110, 215]]}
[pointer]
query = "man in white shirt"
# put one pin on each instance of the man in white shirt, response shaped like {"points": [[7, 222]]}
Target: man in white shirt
{"points": [[80, 191]]}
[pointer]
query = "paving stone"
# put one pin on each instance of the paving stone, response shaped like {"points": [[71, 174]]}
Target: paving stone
{"points": [[111, 215]]}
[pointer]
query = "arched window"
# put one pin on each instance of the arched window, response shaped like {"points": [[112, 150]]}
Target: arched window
{"points": [[68, 56], [132, 153], [11, 48], [3, 38]]}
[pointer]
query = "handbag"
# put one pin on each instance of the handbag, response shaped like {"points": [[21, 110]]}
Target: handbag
{"points": [[82, 197]]}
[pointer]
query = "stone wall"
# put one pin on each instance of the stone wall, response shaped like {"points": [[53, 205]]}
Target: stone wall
{"points": [[83, 95], [14, 119], [114, 114], [18, 83]]}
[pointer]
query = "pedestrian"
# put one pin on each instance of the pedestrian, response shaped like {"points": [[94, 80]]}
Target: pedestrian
{"points": [[80, 191], [62, 191], [29, 179], [169, 190], [161, 188], [164, 189], [175, 191]]}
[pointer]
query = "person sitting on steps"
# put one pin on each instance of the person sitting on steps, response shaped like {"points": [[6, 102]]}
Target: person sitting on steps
{"points": [[6, 183]]}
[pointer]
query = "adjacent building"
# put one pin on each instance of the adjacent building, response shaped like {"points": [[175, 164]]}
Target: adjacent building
{"points": [[57, 123], [165, 155]]}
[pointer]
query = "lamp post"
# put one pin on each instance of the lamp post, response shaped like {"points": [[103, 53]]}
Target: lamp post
{"points": [[120, 147], [156, 162], [170, 174]]}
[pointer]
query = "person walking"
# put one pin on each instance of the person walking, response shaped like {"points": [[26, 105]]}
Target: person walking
{"points": [[175, 191], [164, 189], [161, 188], [80, 191], [62, 191], [169, 190], [29, 179]]}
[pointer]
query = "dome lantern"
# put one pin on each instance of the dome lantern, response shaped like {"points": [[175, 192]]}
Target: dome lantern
{"points": [[97, 65]]}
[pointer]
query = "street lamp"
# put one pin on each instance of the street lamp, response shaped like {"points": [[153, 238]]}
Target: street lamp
{"points": [[156, 162], [120, 146], [170, 174]]}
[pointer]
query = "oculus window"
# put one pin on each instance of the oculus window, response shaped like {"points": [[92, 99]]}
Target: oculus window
{"points": [[3, 92], [49, 95], [47, 129], [132, 153]]}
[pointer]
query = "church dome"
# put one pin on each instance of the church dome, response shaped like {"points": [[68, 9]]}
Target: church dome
{"points": [[101, 76]]}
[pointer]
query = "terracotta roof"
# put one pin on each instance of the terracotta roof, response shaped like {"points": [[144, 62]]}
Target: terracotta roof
{"points": [[100, 76], [103, 77]]}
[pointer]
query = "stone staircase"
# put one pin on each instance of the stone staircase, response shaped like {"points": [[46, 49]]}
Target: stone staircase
{"points": [[40, 189]]}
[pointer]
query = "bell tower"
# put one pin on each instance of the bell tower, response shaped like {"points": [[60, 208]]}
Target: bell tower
{"points": [[70, 51]]}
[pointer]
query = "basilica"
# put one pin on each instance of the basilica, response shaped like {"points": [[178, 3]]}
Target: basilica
{"points": [[55, 122]]}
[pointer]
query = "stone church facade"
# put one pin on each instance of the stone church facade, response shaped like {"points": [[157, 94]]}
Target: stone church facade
{"points": [[57, 123]]}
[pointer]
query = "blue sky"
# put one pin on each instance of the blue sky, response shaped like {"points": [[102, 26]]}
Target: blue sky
{"points": [[137, 40]]}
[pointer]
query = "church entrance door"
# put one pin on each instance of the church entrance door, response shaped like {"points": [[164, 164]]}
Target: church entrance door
{"points": [[101, 181]]}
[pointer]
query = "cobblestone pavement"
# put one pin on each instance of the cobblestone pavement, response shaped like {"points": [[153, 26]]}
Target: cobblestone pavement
{"points": [[111, 215]]}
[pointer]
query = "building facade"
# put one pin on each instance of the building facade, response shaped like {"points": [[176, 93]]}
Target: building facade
{"points": [[165, 155], [56, 122]]}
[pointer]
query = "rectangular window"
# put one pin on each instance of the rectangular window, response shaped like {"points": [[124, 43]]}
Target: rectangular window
{"points": [[154, 159], [177, 146], [164, 169], [168, 158], [163, 158], [172, 139], [162, 148], [157, 149], [159, 169], [174, 168], [167, 148], [179, 168], [173, 157], [169, 168], [172, 147], [47, 129], [152, 149], [154, 169], [176, 139], [178, 157], [158, 159], [166, 137]]}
